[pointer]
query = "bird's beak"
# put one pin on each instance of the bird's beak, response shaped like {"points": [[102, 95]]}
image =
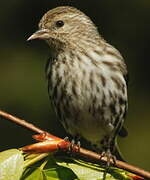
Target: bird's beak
{"points": [[42, 34]]}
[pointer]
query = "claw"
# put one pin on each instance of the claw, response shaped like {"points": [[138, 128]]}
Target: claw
{"points": [[111, 159], [73, 147], [66, 139], [78, 145]]}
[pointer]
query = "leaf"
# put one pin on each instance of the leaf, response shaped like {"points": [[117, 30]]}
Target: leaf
{"points": [[86, 171], [33, 173], [49, 170], [63, 168], [11, 164]]}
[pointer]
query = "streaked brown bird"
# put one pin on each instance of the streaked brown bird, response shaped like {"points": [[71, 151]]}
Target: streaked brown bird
{"points": [[86, 78]]}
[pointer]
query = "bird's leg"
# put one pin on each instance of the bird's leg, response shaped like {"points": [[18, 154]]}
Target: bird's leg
{"points": [[108, 145], [78, 143], [70, 147]]}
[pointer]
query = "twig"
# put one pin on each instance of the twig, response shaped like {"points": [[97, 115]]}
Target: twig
{"points": [[83, 152]]}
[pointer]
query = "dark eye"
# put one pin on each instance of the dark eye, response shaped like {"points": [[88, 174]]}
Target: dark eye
{"points": [[59, 23]]}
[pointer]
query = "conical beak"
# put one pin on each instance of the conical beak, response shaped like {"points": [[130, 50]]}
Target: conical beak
{"points": [[40, 34]]}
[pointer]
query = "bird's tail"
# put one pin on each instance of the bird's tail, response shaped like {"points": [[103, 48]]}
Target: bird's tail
{"points": [[116, 151], [118, 154]]}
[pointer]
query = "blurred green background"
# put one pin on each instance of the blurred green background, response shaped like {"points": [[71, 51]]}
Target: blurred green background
{"points": [[23, 88]]}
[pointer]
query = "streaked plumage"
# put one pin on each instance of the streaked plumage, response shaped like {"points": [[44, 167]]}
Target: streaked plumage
{"points": [[86, 77]]}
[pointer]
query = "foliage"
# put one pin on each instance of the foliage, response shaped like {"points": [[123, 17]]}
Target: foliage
{"points": [[49, 167], [11, 164]]}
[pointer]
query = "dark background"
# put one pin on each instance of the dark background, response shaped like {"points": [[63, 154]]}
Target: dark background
{"points": [[23, 88]]}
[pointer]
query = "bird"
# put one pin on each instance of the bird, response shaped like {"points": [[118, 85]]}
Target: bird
{"points": [[87, 78]]}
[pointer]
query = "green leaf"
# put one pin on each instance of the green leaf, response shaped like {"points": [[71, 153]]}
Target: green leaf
{"points": [[83, 172], [64, 168], [49, 170], [11, 164], [86, 171], [33, 173]]}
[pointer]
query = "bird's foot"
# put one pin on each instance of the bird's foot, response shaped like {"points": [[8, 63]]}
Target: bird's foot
{"points": [[73, 146], [66, 139], [110, 159]]}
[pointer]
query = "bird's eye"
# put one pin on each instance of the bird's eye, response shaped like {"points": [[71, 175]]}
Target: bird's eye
{"points": [[59, 23]]}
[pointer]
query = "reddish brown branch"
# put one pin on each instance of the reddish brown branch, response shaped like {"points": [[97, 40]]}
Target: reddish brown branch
{"points": [[83, 152]]}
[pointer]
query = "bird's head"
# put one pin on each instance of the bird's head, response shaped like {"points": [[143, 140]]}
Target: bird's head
{"points": [[65, 25]]}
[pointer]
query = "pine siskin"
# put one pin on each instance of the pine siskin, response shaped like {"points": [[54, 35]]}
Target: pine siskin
{"points": [[86, 78]]}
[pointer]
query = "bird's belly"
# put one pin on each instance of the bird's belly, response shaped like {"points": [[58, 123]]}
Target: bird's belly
{"points": [[81, 117], [90, 128], [85, 105]]}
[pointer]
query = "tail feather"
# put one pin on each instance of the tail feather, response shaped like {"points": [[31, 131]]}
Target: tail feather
{"points": [[118, 154]]}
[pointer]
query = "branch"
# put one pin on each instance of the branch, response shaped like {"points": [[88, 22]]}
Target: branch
{"points": [[83, 152]]}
